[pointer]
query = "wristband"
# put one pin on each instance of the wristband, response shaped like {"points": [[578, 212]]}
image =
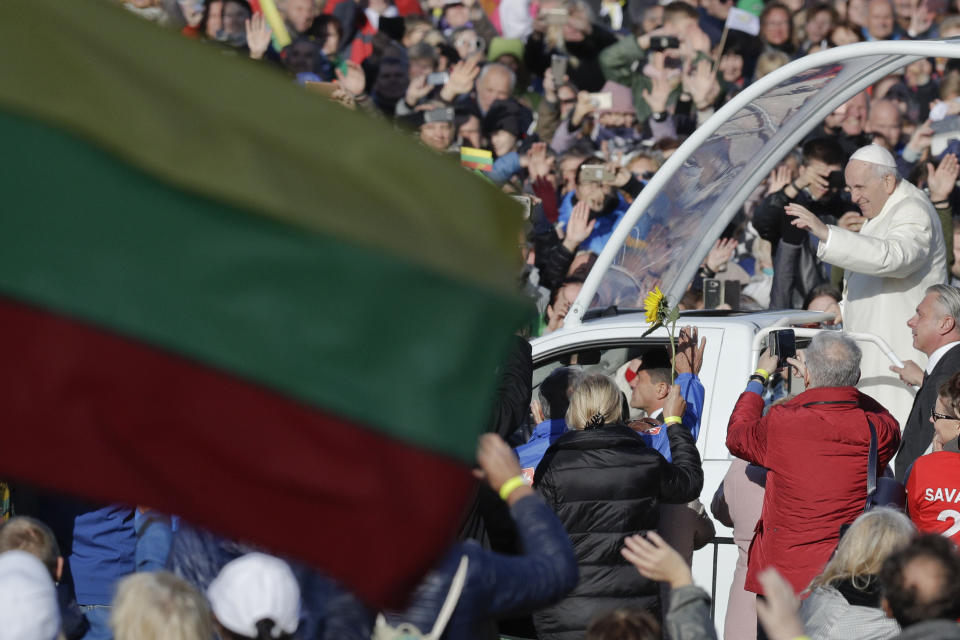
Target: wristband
{"points": [[510, 486], [763, 373], [793, 183], [759, 378], [941, 204], [672, 420]]}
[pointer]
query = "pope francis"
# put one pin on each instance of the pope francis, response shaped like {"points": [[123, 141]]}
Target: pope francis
{"points": [[898, 253]]}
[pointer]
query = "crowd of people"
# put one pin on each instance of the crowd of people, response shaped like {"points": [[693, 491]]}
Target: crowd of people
{"points": [[588, 513]]}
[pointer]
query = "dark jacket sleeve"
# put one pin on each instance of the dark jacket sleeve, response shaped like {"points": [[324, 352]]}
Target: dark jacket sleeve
{"points": [[544, 573], [681, 480], [513, 392], [552, 259]]}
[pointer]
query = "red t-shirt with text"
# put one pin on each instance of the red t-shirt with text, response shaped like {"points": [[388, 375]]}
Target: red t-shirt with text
{"points": [[933, 494]]}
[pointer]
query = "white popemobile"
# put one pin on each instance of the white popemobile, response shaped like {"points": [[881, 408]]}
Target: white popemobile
{"points": [[673, 223]]}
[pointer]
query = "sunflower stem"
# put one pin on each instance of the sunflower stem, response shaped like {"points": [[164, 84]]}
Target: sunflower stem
{"points": [[673, 353]]}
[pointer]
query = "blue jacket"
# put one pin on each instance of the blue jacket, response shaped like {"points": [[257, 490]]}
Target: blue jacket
{"points": [[498, 584], [98, 544], [601, 230], [692, 390], [544, 435]]}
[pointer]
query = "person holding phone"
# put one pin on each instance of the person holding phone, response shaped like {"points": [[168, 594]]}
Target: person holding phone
{"points": [[815, 447]]}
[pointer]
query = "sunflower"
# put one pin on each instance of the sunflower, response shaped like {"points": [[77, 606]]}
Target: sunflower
{"points": [[655, 306]]}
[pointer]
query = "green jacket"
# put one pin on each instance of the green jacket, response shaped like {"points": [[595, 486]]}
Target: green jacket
{"points": [[623, 62]]}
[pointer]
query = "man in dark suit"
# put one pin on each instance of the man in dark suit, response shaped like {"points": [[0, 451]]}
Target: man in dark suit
{"points": [[936, 332]]}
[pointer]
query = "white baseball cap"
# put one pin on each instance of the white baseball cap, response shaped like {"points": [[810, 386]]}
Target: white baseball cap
{"points": [[28, 599], [252, 588]]}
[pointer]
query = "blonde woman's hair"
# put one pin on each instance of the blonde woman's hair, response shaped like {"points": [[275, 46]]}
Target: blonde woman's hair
{"points": [[596, 395], [159, 606], [867, 543]]}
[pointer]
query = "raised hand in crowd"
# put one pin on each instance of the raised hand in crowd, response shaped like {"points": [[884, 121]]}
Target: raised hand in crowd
{"points": [[417, 90], [582, 109], [689, 358], [550, 85], [768, 362], [921, 19], [720, 254], [851, 221], [674, 405], [621, 175], [700, 82], [462, 76], [943, 179], [921, 138], [498, 464], [353, 81], [579, 227], [803, 218], [813, 175], [258, 35], [658, 95], [537, 161], [344, 98], [779, 178], [656, 560], [777, 611]]}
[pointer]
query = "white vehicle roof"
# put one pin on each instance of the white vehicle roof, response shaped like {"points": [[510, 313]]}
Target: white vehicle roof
{"points": [[671, 226]]}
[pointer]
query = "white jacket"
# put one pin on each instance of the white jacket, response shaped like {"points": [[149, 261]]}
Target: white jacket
{"points": [[889, 265]]}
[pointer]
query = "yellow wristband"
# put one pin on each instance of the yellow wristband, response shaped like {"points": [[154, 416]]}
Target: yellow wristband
{"points": [[672, 420], [763, 372], [510, 486]]}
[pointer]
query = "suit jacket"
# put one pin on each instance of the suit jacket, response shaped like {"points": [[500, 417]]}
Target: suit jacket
{"points": [[918, 431]]}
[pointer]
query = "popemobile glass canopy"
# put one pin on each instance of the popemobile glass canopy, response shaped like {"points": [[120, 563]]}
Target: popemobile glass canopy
{"points": [[671, 226]]}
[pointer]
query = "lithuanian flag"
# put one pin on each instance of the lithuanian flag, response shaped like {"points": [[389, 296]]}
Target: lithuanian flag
{"points": [[226, 298], [481, 159]]}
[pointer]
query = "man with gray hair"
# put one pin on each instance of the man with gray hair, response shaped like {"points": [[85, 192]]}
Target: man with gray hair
{"points": [[936, 332], [815, 447], [889, 264]]}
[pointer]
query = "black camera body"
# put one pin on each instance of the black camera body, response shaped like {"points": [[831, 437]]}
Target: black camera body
{"points": [[662, 43]]}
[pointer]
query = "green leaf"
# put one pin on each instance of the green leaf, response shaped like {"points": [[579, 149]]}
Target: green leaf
{"points": [[656, 325], [673, 315]]}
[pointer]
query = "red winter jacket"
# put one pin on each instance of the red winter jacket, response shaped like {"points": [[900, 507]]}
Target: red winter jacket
{"points": [[815, 447]]}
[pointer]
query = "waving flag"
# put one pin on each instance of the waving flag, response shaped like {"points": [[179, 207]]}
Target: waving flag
{"points": [[223, 297]]}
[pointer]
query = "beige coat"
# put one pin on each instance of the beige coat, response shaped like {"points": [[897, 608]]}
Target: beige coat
{"points": [[889, 265]]}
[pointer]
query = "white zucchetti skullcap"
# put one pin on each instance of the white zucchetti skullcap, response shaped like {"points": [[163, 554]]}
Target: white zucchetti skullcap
{"points": [[875, 154], [252, 588], [28, 599]]}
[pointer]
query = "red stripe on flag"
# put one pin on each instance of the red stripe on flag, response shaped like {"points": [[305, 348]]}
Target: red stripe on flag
{"points": [[112, 419]]}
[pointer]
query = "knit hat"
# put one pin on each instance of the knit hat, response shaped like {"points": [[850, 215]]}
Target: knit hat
{"points": [[622, 98], [28, 599], [510, 46], [252, 588], [875, 154]]}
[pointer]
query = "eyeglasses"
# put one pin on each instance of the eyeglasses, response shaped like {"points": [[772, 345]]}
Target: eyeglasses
{"points": [[940, 416]]}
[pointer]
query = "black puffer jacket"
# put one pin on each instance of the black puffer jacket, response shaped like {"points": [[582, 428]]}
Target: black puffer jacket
{"points": [[604, 485]]}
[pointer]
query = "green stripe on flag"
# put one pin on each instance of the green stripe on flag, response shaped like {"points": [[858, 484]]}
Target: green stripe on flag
{"points": [[212, 123], [403, 348]]}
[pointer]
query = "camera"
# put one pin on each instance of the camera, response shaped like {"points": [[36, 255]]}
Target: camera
{"points": [[444, 114], [662, 43], [438, 78], [783, 344], [835, 180], [596, 173]]}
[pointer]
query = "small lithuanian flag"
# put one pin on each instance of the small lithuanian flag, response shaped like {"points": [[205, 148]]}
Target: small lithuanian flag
{"points": [[476, 158]]}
